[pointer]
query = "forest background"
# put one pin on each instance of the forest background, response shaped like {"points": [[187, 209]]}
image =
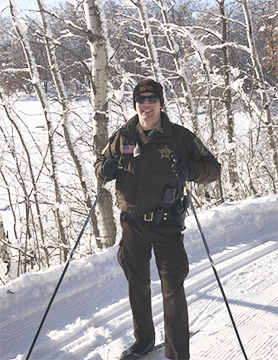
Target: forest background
{"points": [[67, 75]]}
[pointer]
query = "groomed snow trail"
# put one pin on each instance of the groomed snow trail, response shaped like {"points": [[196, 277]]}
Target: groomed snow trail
{"points": [[76, 338], [91, 318]]}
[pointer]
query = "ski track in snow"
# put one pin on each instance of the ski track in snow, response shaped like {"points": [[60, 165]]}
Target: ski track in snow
{"points": [[106, 329]]}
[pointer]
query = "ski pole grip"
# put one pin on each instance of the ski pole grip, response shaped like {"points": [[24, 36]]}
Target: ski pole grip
{"points": [[175, 158], [104, 182]]}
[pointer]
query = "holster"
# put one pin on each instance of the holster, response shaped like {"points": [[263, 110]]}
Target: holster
{"points": [[158, 216], [180, 212]]}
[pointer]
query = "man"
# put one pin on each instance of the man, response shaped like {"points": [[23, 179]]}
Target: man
{"points": [[151, 158]]}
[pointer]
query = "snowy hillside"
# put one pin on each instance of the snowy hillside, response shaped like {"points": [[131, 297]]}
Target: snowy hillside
{"points": [[90, 317]]}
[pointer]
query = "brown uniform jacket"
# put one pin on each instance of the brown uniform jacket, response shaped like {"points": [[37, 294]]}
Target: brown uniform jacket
{"points": [[141, 182]]}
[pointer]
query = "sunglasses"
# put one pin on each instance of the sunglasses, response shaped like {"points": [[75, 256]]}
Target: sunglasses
{"points": [[141, 99]]}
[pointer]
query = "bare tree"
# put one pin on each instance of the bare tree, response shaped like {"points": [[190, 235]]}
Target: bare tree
{"points": [[74, 151], [97, 36], [150, 45], [265, 99], [21, 30], [180, 66], [227, 96], [29, 212]]}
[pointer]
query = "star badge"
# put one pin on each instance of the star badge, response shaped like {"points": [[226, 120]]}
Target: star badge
{"points": [[165, 152]]}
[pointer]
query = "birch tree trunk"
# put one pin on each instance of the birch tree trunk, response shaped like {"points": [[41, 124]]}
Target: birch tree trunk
{"points": [[97, 35], [74, 151], [228, 98], [21, 30]]}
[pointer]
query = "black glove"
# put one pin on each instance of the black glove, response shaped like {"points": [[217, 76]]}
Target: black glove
{"points": [[181, 168], [109, 167]]}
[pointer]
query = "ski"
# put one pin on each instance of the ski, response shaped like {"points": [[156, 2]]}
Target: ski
{"points": [[160, 346], [156, 348]]}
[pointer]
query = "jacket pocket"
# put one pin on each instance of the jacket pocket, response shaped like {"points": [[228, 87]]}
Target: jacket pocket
{"points": [[159, 183]]}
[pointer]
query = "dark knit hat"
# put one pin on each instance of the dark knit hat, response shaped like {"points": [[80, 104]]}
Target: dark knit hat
{"points": [[148, 85]]}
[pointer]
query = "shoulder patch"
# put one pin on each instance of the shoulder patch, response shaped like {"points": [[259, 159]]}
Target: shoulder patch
{"points": [[201, 147]]}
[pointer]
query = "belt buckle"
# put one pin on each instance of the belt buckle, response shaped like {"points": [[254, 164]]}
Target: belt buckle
{"points": [[148, 217]]}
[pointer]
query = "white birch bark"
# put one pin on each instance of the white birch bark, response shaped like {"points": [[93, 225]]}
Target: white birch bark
{"points": [[97, 35], [74, 151]]}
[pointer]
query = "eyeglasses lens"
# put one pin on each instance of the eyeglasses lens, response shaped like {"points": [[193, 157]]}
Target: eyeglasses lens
{"points": [[141, 99]]}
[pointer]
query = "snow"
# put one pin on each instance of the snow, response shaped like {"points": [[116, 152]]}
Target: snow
{"points": [[91, 319]]}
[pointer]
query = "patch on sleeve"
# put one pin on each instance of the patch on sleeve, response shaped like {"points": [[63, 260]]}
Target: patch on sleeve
{"points": [[105, 148], [201, 147]]}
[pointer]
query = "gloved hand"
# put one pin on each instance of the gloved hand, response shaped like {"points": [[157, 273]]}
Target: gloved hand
{"points": [[181, 168], [109, 167]]}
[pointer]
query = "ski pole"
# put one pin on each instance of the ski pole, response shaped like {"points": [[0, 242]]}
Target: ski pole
{"points": [[66, 267], [213, 267]]}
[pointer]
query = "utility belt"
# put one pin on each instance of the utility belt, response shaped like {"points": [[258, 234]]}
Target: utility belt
{"points": [[157, 216], [160, 216]]}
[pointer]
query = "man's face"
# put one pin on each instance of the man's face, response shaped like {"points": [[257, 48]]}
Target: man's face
{"points": [[148, 112]]}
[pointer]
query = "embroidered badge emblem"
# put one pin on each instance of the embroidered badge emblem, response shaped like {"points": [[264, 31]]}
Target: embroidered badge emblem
{"points": [[146, 88], [165, 152], [201, 147], [128, 149]]}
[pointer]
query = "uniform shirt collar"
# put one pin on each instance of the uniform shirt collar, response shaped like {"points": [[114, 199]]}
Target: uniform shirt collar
{"points": [[142, 134]]}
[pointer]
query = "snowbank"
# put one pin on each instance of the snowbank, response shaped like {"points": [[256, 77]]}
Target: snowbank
{"points": [[226, 226]]}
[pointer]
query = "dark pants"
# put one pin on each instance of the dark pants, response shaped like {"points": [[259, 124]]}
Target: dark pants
{"points": [[138, 238]]}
